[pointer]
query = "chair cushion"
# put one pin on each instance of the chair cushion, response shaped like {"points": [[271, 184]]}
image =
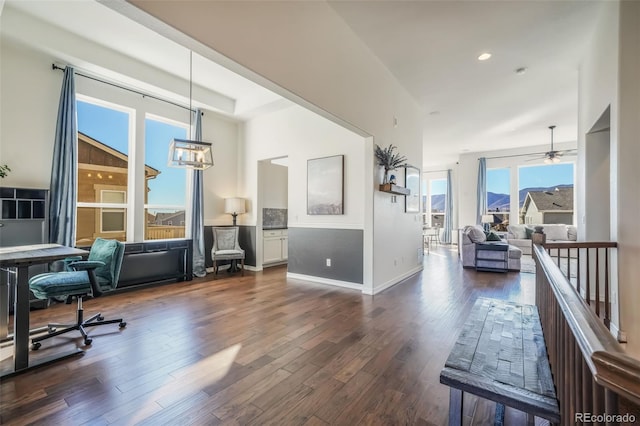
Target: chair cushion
{"points": [[225, 238], [514, 252], [227, 254], [54, 284], [104, 251]]}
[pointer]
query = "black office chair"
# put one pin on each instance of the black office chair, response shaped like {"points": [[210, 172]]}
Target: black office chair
{"points": [[82, 278]]}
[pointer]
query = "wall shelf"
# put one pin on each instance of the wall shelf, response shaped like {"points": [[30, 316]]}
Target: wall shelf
{"points": [[394, 189]]}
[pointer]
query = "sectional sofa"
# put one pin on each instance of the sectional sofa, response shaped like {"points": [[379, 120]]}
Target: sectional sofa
{"points": [[520, 235]]}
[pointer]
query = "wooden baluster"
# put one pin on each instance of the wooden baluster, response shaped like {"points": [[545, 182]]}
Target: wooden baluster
{"points": [[597, 282], [607, 306], [587, 295], [577, 375], [598, 397], [568, 264], [610, 404], [587, 386], [570, 374], [578, 271]]}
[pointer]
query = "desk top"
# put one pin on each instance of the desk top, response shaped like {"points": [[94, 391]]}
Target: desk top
{"points": [[36, 253]]}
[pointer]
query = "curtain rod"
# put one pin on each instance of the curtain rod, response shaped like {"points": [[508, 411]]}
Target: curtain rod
{"points": [[55, 67]]}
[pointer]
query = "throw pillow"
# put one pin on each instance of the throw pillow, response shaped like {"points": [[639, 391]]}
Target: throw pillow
{"points": [[528, 231], [476, 235], [492, 236], [556, 232], [517, 231]]}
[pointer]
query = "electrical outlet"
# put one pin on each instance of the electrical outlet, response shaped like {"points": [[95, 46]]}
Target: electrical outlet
{"points": [[329, 263]]}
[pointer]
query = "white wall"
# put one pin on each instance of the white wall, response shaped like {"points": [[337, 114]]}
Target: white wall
{"points": [[305, 52], [275, 185]]}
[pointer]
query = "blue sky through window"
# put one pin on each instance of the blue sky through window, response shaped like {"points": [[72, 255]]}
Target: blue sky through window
{"points": [[106, 125], [545, 175]]}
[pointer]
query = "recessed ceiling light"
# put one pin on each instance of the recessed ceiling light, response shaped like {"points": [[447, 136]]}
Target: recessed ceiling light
{"points": [[521, 70], [484, 56]]}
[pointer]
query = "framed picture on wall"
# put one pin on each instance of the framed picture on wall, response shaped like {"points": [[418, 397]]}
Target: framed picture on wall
{"points": [[325, 185], [412, 182]]}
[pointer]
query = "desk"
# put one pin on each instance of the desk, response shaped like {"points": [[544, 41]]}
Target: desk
{"points": [[21, 257]]}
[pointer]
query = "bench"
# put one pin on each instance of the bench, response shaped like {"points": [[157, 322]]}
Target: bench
{"points": [[500, 355]]}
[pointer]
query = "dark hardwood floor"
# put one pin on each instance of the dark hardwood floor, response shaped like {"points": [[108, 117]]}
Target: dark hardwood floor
{"points": [[262, 349]]}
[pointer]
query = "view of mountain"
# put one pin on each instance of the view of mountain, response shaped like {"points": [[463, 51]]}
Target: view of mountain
{"points": [[495, 201]]}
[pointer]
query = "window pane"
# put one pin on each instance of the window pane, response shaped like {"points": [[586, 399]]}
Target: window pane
{"points": [[108, 196], [162, 224], [438, 191], [103, 146], [113, 220], [546, 194], [499, 197], [94, 222], [166, 186]]}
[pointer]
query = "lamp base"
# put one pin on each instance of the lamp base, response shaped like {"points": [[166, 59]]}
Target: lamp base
{"points": [[235, 217]]}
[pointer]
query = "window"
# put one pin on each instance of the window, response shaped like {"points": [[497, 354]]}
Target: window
{"points": [[113, 220], [165, 186], [546, 194], [498, 197], [437, 201], [103, 170]]}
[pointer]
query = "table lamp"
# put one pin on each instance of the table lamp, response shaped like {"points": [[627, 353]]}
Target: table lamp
{"points": [[487, 219], [234, 206]]}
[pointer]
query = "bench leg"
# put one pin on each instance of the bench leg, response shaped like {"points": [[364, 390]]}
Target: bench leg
{"points": [[455, 407], [531, 419]]}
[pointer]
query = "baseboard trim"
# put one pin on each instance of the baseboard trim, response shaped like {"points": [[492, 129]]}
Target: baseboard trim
{"points": [[617, 333], [395, 281], [225, 267], [321, 280]]}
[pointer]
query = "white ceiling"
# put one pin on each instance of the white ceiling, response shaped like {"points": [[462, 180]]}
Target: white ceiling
{"points": [[430, 46]]}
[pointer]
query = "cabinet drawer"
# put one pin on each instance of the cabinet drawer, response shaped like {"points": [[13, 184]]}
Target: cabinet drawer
{"points": [[273, 233]]}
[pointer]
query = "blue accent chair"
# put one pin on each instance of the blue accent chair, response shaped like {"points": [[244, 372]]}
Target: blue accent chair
{"points": [[81, 278]]}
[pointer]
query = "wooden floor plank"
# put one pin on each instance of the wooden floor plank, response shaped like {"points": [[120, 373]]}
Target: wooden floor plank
{"points": [[264, 349]]}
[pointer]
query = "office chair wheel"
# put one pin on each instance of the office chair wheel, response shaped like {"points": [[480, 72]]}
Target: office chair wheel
{"points": [[123, 324], [100, 318], [35, 346], [88, 341]]}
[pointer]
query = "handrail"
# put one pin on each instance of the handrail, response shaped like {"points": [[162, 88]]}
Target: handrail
{"points": [[580, 244], [609, 365]]}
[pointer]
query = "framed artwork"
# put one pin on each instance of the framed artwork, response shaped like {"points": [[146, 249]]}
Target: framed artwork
{"points": [[412, 182], [325, 185]]}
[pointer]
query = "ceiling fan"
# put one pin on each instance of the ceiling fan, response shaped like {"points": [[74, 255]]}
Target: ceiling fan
{"points": [[553, 156]]}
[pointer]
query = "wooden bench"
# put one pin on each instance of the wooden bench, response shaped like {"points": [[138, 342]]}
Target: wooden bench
{"points": [[500, 355]]}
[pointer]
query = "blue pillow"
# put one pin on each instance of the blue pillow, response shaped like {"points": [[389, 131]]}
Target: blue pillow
{"points": [[528, 231]]}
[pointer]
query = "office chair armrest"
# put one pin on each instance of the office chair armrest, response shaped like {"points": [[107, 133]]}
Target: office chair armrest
{"points": [[85, 265], [68, 260]]}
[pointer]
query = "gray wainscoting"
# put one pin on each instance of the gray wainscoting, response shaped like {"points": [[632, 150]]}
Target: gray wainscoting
{"points": [[246, 238], [309, 248]]}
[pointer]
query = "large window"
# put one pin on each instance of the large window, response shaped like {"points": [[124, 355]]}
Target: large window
{"points": [[546, 194], [165, 205], [437, 201], [103, 170], [105, 185], [498, 197]]}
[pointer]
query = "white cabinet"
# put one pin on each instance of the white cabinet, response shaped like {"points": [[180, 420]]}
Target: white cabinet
{"points": [[275, 246]]}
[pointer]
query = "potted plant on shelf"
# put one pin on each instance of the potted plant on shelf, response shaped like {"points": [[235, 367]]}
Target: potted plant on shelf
{"points": [[389, 160], [4, 171]]}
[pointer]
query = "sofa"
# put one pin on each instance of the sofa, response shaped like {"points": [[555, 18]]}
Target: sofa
{"points": [[475, 234], [520, 235]]}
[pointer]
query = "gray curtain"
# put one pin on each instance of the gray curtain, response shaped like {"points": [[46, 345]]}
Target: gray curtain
{"points": [[197, 210], [482, 189], [448, 212], [62, 205]]}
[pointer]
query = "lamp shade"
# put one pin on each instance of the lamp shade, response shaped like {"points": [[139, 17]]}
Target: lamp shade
{"points": [[190, 154], [487, 218], [234, 205]]}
